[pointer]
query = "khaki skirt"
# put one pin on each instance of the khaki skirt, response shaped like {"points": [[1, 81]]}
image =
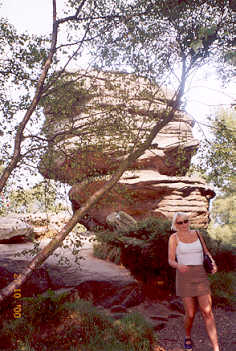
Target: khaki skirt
{"points": [[192, 283]]}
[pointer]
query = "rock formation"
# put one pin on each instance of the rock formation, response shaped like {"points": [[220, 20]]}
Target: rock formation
{"points": [[110, 114], [13, 229], [120, 221]]}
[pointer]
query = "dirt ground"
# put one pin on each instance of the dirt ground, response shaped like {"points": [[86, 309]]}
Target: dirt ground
{"points": [[172, 335]]}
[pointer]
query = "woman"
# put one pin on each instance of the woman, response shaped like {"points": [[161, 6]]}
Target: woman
{"points": [[186, 255]]}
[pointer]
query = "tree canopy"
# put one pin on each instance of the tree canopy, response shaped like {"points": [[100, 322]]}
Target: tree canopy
{"points": [[152, 38], [217, 155]]}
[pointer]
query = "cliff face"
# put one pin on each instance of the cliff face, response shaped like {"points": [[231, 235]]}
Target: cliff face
{"points": [[109, 114]]}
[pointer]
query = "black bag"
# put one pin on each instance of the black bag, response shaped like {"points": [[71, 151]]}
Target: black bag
{"points": [[207, 262]]}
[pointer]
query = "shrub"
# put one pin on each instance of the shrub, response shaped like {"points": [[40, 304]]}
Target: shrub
{"points": [[107, 252], [223, 289], [74, 326], [37, 311], [143, 250], [135, 331]]}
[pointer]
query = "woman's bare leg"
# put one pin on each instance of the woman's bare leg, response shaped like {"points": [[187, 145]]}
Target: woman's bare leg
{"points": [[205, 304], [190, 311]]}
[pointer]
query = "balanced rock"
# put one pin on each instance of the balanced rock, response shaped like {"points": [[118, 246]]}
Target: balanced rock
{"points": [[111, 114]]}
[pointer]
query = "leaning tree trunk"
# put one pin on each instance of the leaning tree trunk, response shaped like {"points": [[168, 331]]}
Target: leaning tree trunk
{"points": [[57, 241]]}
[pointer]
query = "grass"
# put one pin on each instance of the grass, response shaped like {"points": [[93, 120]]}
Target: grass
{"points": [[49, 322]]}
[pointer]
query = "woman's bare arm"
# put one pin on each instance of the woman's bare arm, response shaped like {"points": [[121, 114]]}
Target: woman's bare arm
{"points": [[172, 251]]}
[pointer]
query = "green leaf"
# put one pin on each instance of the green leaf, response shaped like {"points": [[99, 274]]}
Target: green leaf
{"points": [[196, 45]]}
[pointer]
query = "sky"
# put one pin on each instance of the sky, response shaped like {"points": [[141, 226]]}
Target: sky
{"points": [[35, 17]]}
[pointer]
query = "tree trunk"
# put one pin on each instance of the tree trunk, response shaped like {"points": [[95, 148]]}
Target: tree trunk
{"points": [[57, 241]]}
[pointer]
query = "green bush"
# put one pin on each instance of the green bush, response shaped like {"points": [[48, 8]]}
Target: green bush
{"points": [[223, 289], [135, 331], [37, 311], [143, 250], [74, 326], [107, 252]]}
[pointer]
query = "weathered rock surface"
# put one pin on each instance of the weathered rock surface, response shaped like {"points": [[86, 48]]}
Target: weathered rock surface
{"points": [[38, 283], [104, 283], [116, 110], [109, 293], [159, 198], [120, 221], [12, 229]]}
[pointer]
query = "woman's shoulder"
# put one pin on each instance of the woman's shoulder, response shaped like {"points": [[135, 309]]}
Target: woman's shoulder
{"points": [[195, 232], [173, 237]]}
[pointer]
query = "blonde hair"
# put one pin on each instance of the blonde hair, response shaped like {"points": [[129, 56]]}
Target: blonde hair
{"points": [[177, 214]]}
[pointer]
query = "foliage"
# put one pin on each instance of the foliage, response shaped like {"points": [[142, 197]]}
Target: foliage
{"points": [[144, 251], [41, 197], [22, 57], [222, 227], [223, 252], [152, 38], [83, 326], [223, 289], [217, 156], [107, 252], [216, 162]]}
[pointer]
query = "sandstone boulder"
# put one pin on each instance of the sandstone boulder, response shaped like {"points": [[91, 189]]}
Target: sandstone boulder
{"points": [[111, 113], [159, 198], [38, 282], [109, 293], [116, 109], [120, 221], [47, 223], [104, 292]]}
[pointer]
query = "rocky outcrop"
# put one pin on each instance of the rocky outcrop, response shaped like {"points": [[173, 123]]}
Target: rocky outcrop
{"points": [[38, 282], [12, 229], [109, 114], [102, 282]]}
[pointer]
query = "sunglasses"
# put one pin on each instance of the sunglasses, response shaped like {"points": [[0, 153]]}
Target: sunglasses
{"points": [[181, 222]]}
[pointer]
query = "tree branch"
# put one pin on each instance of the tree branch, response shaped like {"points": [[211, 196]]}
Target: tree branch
{"points": [[19, 134]]}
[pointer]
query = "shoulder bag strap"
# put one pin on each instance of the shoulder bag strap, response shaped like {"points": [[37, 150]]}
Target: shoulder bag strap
{"points": [[177, 241], [200, 241]]}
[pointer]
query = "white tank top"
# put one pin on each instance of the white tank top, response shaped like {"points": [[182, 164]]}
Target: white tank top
{"points": [[189, 253]]}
